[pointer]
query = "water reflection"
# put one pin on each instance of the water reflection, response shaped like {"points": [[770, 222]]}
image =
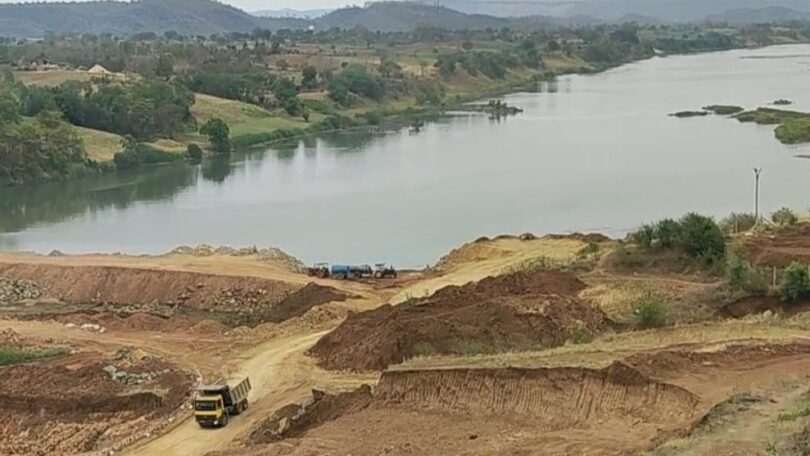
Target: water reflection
{"points": [[216, 170], [26, 206]]}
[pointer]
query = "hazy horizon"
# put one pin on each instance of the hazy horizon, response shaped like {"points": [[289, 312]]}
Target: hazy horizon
{"points": [[256, 5]]}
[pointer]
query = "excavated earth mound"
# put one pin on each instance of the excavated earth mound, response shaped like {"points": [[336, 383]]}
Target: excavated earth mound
{"points": [[72, 405], [513, 312], [143, 296], [130, 286]]}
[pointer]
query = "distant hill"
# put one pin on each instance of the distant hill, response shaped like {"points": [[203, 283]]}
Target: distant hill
{"points": [[759, 15], [400, 16], [122, 18], [618, 10]]}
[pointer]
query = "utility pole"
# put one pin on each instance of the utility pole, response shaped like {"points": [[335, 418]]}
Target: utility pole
{"points": [[757, 172]]}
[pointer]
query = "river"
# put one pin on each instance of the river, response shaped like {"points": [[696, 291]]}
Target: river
{"points": [[590, 153]]}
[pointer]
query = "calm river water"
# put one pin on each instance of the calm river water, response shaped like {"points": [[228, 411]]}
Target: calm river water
{"points": [[591, 153]]}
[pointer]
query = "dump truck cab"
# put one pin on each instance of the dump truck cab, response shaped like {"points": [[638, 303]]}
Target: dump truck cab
{"points": [[215, 404], [209, 411]]}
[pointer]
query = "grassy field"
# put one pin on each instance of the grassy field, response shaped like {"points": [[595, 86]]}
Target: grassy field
{"points": [[100, 145], [53, 78], [14, 355], [244, 118]]}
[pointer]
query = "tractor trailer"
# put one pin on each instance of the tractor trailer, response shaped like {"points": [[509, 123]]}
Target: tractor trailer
{"points": [[215, 404]]}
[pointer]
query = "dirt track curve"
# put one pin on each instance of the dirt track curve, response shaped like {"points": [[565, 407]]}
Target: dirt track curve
{"points": [[271, 371]]}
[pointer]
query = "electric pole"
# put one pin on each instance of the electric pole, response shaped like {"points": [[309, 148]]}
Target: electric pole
{"points": [[757, 172]]}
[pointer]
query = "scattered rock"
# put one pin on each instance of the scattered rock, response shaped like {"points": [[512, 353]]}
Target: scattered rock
{"points": [[92, 327], [127, 378], [14, 291]]}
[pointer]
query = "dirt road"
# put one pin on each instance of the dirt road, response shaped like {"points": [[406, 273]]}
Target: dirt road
{"points": [[277, 379]]}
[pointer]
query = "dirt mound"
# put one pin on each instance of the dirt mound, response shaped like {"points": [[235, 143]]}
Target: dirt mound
{"points": [[269, 255], [134, 287], [71, 404], [294, 420], [781, 248], [207, 327], [301, 301], [754, 305], [513, 312]]}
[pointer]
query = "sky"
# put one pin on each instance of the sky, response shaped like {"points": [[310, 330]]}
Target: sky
{"points": [[254, 5]]}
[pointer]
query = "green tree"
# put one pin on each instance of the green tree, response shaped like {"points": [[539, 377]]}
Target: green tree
{"points": [[795, 283], [701, 237], [309, 77], [784, 217], [165, 66], [9, 109], [218, 133]]}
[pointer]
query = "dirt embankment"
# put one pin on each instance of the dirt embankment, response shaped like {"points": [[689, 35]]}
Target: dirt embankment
{"points": [[518, 311], [72, 404], [499, 404], [753, 305], [552, 398], [780, 248], [145, 298], [632, 405], [130, 286]]}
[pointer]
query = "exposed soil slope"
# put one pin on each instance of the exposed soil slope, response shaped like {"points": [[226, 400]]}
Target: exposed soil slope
{"points": [[507, 409], [512, 312], [780, 249], [72, 405]]}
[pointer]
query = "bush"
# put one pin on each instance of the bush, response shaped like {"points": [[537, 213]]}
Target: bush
{"points": [[666, 233], [701, 237], [741, 276], [738, 222], [784, 217], [218, 133], [795, 283], [697, 235], [650, 312], [194, 152]]}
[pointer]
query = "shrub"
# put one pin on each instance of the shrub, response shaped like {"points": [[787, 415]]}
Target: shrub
{"points": [[194, 152], [218, 133], [741, 275], [650, 312], [795, 283], [738, 222], [784, 217], [666, 232], [701, 237], [644, 236]]}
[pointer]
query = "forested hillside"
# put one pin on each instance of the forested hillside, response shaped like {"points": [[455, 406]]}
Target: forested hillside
{"points": [[187, 16]]}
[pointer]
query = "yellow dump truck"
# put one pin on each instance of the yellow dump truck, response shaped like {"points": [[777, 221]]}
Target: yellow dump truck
{"points": [[215, 404]]}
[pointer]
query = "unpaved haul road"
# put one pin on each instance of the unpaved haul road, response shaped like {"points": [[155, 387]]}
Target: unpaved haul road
{"points": [[276, 381]]}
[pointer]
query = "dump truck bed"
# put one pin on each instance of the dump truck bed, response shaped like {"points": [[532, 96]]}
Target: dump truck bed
{"points": [[233, 391]]}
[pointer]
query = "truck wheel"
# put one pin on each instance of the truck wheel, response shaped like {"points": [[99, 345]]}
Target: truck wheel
{"points": [[244, 404], [224, 421], [378, 275]]}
